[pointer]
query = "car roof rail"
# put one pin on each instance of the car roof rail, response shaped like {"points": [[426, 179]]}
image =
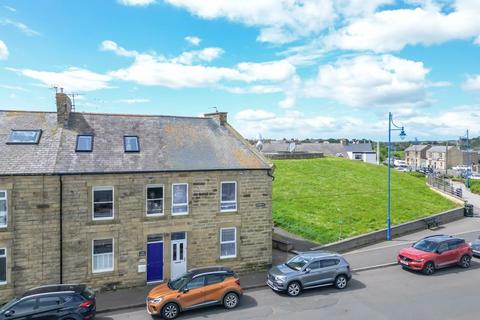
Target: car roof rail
{"points": [[437, 235]]}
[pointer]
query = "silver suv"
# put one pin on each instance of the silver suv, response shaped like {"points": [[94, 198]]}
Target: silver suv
{"points": [[309, 270]]}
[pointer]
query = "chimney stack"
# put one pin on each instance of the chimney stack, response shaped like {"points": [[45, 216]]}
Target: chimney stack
{"points": [[221, 117], [64, 108]]}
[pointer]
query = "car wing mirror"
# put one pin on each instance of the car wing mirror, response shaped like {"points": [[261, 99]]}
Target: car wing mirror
{"points": [[184, 290], [307, 270], [9, 313]]}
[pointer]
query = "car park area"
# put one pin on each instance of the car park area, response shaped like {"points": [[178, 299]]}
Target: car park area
{"points": [[376, 294]]}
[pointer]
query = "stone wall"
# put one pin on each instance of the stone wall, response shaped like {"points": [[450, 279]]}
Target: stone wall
{"points": [[32, 238], [293, 155], [32, 234]]}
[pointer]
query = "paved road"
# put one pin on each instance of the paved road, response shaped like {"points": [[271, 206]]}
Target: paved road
{"points": [[388, 293]]}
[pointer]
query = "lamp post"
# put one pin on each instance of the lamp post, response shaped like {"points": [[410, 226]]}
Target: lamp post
{"points": [[391, 127]]}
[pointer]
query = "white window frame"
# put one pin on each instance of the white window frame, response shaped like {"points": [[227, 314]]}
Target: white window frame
{"points": [[180, 204], [6, 208], [93, 202], [113, 256], [6, 265], [228, 242], [163, 200], [228, 202]]}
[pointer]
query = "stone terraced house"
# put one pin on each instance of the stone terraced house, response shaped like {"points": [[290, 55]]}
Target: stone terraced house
{"points": [[121, 200]]}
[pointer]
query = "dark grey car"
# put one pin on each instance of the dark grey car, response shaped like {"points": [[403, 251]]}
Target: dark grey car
{"points": [[476, 247], [309, 270]]}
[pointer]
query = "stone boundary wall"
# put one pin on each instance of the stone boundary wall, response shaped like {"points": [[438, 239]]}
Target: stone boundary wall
{"points": [[294, 155], [396, 231]]}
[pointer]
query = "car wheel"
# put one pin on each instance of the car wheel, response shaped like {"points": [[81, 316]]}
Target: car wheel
{"points": [[341, 282], [294, 289], [428, 268], [170, 311], [230, 301], [465, 261]]}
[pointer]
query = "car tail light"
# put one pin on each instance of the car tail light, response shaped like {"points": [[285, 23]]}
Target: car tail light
{"points": [[237, 281], [87, 304]]}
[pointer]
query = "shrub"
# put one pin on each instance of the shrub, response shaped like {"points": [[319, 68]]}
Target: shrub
{"points": [[475, 186], [416, 174]]}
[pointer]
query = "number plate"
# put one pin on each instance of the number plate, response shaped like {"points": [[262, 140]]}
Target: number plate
{"points": [[404, 262]]}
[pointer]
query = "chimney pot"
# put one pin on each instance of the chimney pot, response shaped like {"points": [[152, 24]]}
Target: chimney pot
{"points": [[221, 117], [64, 108]]}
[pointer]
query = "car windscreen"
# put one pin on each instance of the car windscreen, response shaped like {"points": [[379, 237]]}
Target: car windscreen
{"points": [[297, 262], [179, 282], [8, 305], [426, 245]]}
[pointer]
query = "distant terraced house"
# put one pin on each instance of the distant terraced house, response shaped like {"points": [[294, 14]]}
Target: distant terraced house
{"points": [[122, 200]]}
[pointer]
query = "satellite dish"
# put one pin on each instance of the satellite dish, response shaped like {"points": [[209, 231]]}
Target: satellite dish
{"points": [[291, 147]]}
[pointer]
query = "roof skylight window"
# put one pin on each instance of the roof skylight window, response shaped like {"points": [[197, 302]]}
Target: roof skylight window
{"points": [[84, 143], [24, 136], [131, 144]]}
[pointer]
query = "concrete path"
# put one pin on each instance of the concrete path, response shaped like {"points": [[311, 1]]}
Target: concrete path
{"points": [[472, 198], [299, 244], [371, 257]]}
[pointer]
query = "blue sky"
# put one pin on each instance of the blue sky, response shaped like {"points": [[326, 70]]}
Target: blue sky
{"points": [[282, 68]]}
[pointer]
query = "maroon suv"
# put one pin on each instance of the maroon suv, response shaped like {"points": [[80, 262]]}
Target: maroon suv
{"points": [[436, 252]]}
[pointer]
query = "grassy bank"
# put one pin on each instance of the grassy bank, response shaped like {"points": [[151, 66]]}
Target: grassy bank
{"points": [[329, 199]]}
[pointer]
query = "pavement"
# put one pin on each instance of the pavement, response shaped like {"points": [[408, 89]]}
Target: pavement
{"points": [[376, 256], [471, 198], [389, 293]]}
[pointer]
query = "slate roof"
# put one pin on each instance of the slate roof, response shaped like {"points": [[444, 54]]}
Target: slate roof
{"points": [[439, 149], [417, 147], [359, 147], [167, 143], [29, 158]]}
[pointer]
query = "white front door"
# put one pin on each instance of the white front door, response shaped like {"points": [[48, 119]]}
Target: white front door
{"points": [[179, 254]]}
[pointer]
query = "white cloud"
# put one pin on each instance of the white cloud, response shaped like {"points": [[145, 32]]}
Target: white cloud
{"points": [[20, 26], [280, 20], [273, 71], [477, 41], [392, 30], [136, 3], [9, 87], [254, 115], [451, 123], [133, 101], [3, 51], [256, 89], [289, 124], [368, 81], [11, 9], [109, 45], [472, 83], [72, 79], [207, 54], [180, 72], [193, 40]]}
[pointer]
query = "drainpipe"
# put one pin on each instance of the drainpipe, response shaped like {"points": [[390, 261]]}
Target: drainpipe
{"points": [[60, 179]]}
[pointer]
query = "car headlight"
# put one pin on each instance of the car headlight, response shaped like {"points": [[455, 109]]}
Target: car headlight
{"points": [[419, 260], [157, 300], [280, 278]]}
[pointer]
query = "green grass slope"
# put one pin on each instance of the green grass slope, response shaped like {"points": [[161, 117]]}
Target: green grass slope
{"points": [[329, 199]]}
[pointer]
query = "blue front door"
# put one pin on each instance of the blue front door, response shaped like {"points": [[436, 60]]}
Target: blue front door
{"points": [[154, 261]]}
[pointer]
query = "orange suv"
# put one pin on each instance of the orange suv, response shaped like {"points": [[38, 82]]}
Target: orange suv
{"points": [[196, 288]]}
